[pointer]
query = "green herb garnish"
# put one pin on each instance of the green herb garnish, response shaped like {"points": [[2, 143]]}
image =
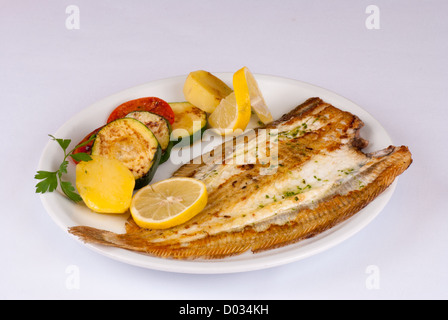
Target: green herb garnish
{"points": [[50, 179]]}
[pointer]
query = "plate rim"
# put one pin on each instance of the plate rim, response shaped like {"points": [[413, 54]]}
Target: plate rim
{"points": [[222, 266]]}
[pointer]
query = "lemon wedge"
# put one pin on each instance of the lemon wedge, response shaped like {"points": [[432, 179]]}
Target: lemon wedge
{"points": [[230, 116], [246, 89], [168, 203]]}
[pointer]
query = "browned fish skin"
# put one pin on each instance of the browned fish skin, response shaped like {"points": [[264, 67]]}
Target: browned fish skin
{"points": [[221, 235]]}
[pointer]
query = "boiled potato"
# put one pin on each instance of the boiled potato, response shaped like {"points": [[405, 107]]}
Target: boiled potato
{"points": [[105, 185], [204, 90]]}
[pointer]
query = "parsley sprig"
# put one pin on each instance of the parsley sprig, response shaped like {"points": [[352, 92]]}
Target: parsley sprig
{"points": [[50, 179]]}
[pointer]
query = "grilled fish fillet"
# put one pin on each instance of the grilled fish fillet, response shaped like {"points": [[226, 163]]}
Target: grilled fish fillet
{"points": [[301, 175]]}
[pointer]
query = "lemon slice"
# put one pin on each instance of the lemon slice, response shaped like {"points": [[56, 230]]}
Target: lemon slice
{"points": [[230, 115], [168, 203], [246, 88]]}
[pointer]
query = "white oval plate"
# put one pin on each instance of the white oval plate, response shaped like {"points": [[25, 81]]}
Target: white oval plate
{"points": [[281, 95]]}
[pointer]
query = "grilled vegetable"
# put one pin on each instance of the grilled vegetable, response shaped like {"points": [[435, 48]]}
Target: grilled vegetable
{"points": [[86, 148], [159, 126], [151, 104], [189, 124], [131, 142]]}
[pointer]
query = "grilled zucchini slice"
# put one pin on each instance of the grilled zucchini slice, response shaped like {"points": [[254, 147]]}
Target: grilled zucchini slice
{"points": [[159, 126], [131, 142], [189, 124]]}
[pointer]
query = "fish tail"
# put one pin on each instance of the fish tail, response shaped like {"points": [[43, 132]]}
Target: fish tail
{"points": [[89, 234], [103, 237]]}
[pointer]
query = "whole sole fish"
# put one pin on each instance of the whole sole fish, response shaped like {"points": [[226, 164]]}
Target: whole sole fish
{"points": [[290, 180]]}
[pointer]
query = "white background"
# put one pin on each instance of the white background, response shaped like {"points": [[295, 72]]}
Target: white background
{"points": [[398, 73]]}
